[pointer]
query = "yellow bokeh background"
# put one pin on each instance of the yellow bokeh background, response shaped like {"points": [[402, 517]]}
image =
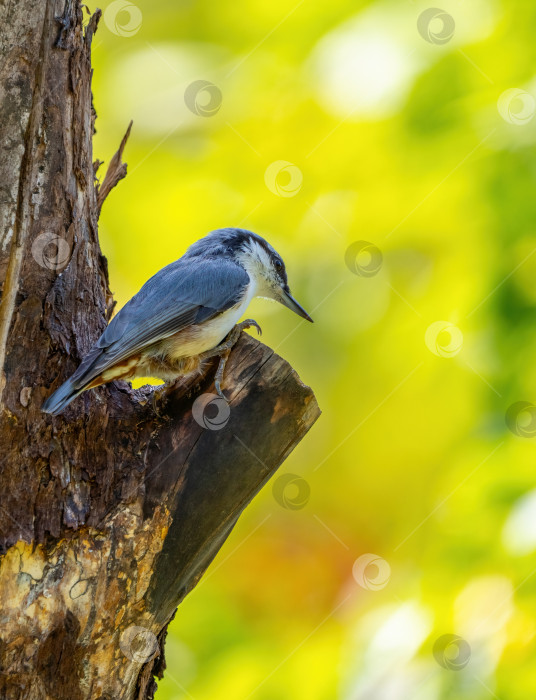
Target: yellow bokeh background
{"points": [[410, 129]]}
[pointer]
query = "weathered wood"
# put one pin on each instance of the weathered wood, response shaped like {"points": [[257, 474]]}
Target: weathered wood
{"points": [[111, 512], [116, 171]]}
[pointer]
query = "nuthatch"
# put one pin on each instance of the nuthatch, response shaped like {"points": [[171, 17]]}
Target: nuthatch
{"points": [[182, 315]]}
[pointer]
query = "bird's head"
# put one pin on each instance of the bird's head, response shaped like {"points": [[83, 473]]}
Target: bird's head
{"points": [[262, 263]]}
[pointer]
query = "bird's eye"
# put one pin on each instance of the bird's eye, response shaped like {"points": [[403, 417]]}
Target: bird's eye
{"points": [[278, 264]]}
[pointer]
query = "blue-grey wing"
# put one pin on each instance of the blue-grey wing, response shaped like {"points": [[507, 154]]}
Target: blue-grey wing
{"points": [[187, 292]]}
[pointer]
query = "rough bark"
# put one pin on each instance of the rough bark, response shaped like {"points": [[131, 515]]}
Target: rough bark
{"points": [[110, 513]]}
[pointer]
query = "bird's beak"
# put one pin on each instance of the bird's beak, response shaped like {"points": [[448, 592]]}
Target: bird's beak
{"points": [[288, 300]]}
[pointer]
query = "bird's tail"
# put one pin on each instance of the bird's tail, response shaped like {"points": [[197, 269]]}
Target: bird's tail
{"points": [[77, 383], [62, 397]]}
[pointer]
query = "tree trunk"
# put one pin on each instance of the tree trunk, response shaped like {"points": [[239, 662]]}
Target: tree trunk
{"points": [[110, 513]]}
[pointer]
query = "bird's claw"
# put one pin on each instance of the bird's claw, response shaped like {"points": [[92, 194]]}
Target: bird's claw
{"points": [[219, 391], [248, 323], [218, 379], [224, 350]]}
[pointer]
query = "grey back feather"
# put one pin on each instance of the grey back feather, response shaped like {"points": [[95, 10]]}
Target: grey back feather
{"points": [[191, 290]]}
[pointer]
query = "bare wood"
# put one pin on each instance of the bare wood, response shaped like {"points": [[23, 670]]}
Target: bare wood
{"points": [[117, 170], [111, 513]]}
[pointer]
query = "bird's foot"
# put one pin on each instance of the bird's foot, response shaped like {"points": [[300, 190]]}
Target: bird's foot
{"points": [[224, 350], [218, 377], [230, 340], [248, 323]]}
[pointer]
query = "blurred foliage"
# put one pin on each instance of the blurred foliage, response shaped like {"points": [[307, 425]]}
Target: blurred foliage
{"points": [[409, 142]]}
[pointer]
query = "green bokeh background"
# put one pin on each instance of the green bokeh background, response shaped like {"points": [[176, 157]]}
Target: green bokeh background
{"points": [[410, 141]]}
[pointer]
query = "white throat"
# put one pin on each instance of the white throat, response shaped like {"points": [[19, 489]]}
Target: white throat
{"points": [[257, 263]]}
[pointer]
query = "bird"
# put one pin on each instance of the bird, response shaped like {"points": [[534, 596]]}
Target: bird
{"points": [[186, 313]]}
